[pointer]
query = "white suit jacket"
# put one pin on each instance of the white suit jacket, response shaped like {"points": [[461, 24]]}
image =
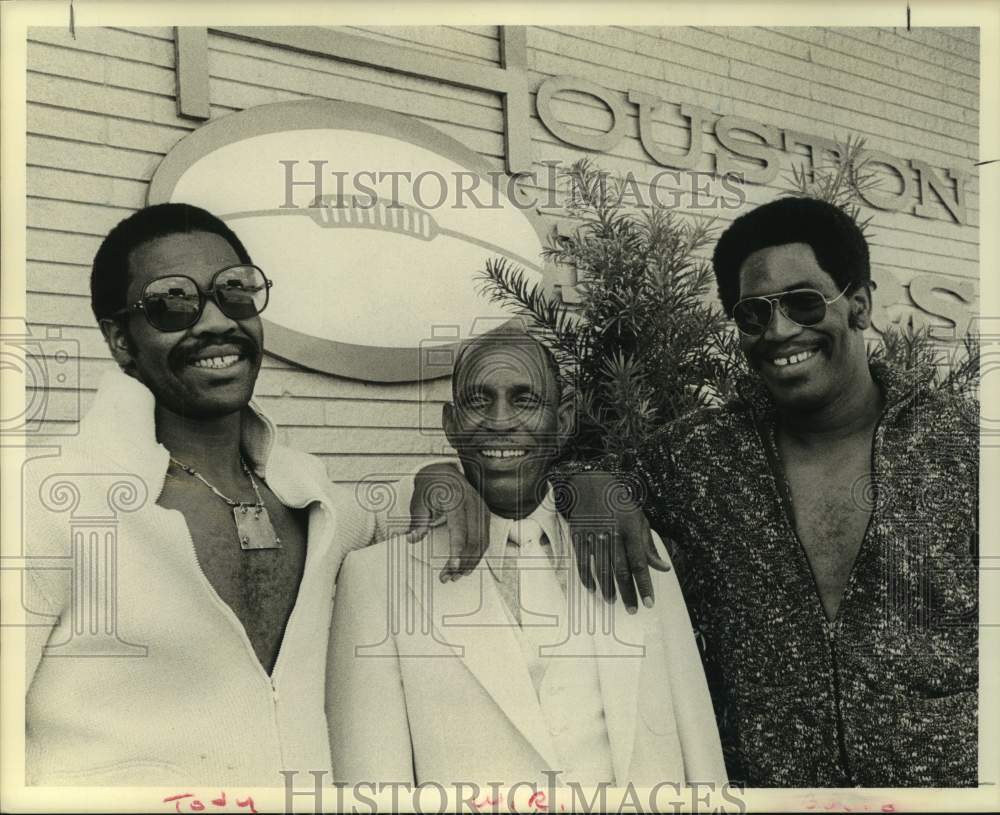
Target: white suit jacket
{"points": [[427, 681]]}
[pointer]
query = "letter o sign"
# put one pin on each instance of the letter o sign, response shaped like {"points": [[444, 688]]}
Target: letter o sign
{"points": [[602, 142]]}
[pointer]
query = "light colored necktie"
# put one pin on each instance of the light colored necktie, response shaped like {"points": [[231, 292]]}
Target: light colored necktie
{"points": [[525, 533], [509, 579], [537, 593]]}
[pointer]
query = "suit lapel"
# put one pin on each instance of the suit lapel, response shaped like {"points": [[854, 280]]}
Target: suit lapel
{"points": [[468, 615], [618, 646], [619, 652]]}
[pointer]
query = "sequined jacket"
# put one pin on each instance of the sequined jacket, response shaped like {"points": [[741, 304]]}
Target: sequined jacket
{"points": [[885, 695]]}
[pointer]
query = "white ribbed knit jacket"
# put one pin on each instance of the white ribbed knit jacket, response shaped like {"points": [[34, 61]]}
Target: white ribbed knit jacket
{"points": [[192, 705]]}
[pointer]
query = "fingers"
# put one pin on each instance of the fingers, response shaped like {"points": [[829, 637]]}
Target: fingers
{"points": [[595, 556], [616, 569], [653, 558], [419, 527], [420, 511], [584, 553], [624, 577], [420, 519], [477, 529], [457, 540], [638, 539], [468, 528], [604, 563]]}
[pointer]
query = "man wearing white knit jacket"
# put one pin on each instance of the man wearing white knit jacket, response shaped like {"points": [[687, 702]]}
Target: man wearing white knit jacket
{"points": [[225, 561]]}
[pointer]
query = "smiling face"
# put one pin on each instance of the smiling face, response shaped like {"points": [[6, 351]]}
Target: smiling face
{"points": [[804, 368], [207, 370], [506, 422]]}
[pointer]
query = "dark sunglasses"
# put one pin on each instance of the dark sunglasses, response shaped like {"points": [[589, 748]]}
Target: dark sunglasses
{"points": [[176, 302], [805, 307]]}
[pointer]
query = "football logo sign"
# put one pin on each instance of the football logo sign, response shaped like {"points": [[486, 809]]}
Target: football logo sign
{"points": [[373, 225]]}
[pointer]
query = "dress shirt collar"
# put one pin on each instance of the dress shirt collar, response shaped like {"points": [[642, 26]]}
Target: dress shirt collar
{"points": [[547, 517]]}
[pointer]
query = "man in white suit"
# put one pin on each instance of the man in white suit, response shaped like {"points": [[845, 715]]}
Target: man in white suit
{"points": [[513, 671]]}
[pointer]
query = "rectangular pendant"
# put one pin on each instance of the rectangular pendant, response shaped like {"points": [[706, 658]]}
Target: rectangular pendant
{"points": [[254, 528]]}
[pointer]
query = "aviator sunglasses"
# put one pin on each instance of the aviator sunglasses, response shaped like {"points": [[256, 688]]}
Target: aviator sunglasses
{"points": [[176, 302], [805, 307]]}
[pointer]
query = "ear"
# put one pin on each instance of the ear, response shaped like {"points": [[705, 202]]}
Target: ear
{"points": [[566, 418], [449, 421], [116, 337], [861, 308]]}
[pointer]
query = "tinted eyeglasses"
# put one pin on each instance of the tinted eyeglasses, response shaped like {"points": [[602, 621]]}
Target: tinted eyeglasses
{"points": [[176, 302], [805, 307]]}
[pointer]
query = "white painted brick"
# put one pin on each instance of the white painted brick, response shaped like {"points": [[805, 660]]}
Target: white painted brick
{"points": [[108, 41], [68, 155], [60, 247], [447, 41], [252, 71], [71, 216], [220, 43]]}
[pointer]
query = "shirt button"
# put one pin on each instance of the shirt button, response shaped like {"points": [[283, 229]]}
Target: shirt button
{"points": [[557, 729]]}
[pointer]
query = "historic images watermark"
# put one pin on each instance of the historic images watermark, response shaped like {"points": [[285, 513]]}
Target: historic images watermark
{"points": [[554, 795], [76, 512], [50, 366], [987, 330], [367, 189], [411, 627]]}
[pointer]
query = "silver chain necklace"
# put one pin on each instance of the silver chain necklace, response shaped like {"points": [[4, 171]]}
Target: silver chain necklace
{"points": [[253, 524]]}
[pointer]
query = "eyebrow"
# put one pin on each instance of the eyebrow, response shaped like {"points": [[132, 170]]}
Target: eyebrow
{"points": [[467, 391], [489, 390], [802, 284]]}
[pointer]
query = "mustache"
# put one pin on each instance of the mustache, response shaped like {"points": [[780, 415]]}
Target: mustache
{"points": [[180, 354], [767, 347], [537, 447]]}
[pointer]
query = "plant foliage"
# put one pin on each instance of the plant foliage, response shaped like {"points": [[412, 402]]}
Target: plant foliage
{"points": [[646, 342]]}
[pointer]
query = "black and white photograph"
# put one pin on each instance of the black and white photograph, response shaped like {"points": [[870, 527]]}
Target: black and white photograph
{"points": [[458, 408]]}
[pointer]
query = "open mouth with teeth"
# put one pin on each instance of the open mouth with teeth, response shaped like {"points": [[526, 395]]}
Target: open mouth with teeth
{"points": [[503, 453], [216, 363], [794, 359]]}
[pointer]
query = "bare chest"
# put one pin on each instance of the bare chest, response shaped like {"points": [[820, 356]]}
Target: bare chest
{"points": [[260, 586], [831, 504]]}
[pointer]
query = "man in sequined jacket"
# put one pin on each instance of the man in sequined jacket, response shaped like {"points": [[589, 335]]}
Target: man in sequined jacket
{"points": [[825, 527]]}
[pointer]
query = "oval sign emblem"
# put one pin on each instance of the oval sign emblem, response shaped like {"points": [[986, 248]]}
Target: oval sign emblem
{"points": [[372, 224]]}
